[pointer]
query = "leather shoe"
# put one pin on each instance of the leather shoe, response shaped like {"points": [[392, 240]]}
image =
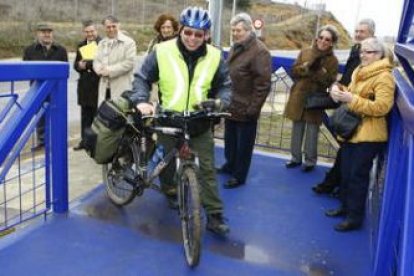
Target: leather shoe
{"points": [[323, 188], [333, 213], [347, 225], [223, 170], [308, 168], [292, 164], [78, 147], [232, 183]]}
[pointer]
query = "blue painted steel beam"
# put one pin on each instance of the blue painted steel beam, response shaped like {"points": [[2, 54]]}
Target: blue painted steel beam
{"points": [[407, 240], [406, 21], [59, 145], [405, 101], [34, 70], [405, 50], [21, 118]]}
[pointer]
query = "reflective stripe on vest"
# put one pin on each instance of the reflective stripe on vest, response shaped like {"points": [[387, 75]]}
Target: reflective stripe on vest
{"points": [[174, 78]]}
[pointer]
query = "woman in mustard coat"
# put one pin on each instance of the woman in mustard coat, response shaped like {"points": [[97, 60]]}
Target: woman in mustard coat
{"points": [[371, 95]]}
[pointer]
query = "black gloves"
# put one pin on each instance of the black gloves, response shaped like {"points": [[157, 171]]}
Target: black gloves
{"points": [[209, 105]]}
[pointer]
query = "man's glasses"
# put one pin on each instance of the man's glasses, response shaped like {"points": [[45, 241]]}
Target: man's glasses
{"points": [[191, 33], [325, 38], [367, 52]]}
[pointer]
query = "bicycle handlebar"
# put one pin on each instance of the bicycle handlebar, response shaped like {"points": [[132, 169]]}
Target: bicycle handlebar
{"points": [[186, 115]]}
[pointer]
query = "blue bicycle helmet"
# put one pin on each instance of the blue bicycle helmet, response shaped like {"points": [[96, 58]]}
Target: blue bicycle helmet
{"points": [[195, 17]]}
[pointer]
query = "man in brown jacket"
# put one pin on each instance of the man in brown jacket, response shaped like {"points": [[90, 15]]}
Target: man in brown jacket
{"points": [[250, 73]]}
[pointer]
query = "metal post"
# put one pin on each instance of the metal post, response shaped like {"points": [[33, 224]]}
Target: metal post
{"points": [[59, 147], [233, 13], [215, 8], [113, 7]]}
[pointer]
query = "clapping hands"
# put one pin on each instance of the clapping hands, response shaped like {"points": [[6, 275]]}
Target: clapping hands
{"points": [[339, 93]]}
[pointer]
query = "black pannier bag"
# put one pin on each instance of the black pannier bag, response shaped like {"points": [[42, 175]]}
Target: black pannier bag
{"points": [[103, 137]]}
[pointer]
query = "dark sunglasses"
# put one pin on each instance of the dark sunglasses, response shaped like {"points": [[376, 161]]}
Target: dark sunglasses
{"points": [[325, 38], [196, 34], [367, 52]]}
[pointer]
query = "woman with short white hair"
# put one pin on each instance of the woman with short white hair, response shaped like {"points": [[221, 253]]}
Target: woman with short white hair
{"points": [[371, 95]]}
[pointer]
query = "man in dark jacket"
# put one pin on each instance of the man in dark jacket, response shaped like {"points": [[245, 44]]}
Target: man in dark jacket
{"points": [[88, 83], [364, 30], [250, 73], [188, 71], [47, 50]]}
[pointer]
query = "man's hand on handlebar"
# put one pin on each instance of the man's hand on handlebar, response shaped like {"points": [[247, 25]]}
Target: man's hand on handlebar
{"points": [[146, 108], [209, 105]]}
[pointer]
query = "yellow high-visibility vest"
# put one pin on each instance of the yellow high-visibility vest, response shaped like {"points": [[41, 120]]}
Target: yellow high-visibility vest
{"points": [[177, 92]]}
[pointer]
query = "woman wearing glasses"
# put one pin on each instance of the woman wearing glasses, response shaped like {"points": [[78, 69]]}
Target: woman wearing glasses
{"points": [[314, 70], [371, 95]]}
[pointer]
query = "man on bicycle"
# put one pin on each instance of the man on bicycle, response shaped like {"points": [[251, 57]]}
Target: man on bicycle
{"points": [[189, 72]]}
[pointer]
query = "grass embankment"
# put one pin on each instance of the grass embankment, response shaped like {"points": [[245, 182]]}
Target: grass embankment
{"points": [[17, 35]]}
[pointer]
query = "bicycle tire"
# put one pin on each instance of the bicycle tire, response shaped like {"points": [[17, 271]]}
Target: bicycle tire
{"points": [[120, 191], [189, 206]]}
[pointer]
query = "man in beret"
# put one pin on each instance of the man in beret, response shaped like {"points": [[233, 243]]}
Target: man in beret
{"points": [[46, 49]]}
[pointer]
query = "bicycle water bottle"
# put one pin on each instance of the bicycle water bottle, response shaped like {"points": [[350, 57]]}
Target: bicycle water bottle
{"points": [[156, 158]]}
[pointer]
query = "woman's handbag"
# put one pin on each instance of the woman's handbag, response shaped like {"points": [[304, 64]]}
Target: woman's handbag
{"points": [[319, 100], [345, 122]]}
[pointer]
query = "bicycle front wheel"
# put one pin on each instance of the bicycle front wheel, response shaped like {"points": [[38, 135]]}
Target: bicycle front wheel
{"points": [[189, 202], [120, 175]]}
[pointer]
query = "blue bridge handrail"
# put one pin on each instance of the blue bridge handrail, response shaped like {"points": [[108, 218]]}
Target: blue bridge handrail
{"points": [[47, 94], [394, 254]]}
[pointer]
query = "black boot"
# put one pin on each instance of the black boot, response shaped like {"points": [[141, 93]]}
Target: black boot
{"points": [[324, 188], [216, 224]]}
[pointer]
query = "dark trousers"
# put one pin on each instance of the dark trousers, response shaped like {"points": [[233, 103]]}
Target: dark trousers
{"points": [[88, 113], [239, 138], [356, 164], [333, 176]]}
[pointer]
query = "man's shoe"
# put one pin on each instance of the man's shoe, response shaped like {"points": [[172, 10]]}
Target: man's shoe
{"points": [[78, 147], [323, 188], [223, 170], [216, 224], [333, 213], [232, 183], [347, 225], [292, 164], [308, 168]]}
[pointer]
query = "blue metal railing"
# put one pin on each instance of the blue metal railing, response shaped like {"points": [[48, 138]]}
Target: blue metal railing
{"points": [[394, 254], [24, 174]]}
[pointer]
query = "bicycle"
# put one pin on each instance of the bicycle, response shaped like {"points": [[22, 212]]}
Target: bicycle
{"points": [[127, 176]]}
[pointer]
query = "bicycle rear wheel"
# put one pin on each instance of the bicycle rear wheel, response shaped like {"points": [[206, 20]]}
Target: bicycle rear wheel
{"points": [[189, 202], [119, 175]]}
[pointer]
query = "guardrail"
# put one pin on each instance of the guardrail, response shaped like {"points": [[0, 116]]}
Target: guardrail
{"points": [[394, 252], [32, 182]]}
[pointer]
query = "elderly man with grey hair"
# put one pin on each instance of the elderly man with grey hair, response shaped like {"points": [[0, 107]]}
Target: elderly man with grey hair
{"points": [[250, 72]]}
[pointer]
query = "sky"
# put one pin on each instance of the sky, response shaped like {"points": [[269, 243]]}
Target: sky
{"points": [[385, 13]]}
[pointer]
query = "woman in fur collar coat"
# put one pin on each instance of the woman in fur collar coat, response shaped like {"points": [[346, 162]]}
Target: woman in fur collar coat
{"points": [[314, 71]]}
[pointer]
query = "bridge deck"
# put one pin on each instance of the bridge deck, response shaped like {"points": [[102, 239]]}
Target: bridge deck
{"points": [[277, 228]]}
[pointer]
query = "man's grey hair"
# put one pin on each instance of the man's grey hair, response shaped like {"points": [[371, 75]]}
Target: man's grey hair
{"points": [[369, 23], [243, 18]]}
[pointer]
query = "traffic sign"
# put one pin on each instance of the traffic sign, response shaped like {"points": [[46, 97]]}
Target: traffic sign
{"points": [[258, 24]]}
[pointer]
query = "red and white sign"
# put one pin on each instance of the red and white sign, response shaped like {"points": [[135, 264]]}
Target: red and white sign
{"points": [[258, 24]]}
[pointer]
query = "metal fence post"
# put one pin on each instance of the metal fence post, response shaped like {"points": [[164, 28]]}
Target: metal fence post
{"points": [[59, 146]]}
